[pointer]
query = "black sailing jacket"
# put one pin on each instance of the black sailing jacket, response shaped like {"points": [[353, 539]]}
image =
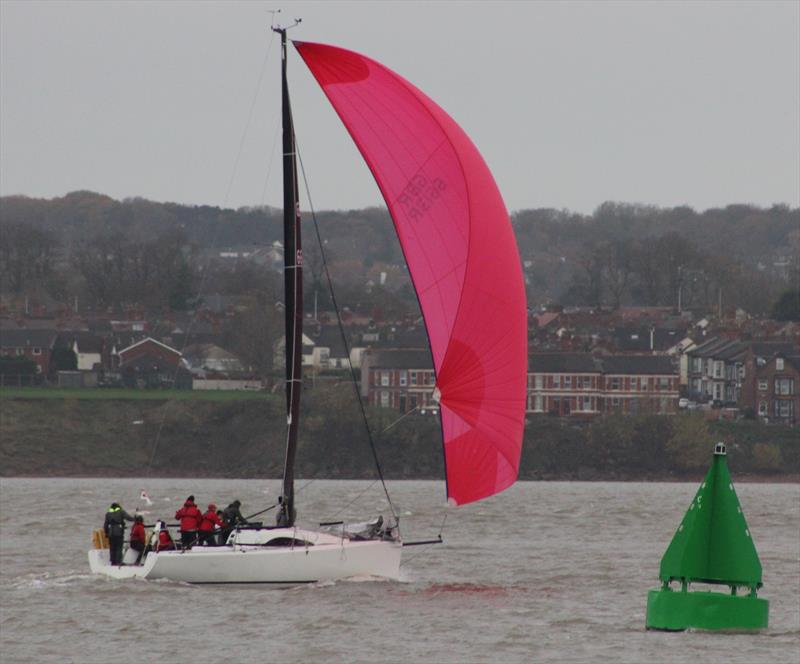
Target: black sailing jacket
{"points": [[115, 522]]}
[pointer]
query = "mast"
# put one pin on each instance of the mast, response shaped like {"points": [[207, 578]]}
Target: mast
{"points": [[293, 296]]}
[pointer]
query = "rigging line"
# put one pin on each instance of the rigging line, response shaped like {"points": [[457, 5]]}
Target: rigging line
{"points": [[249, 117], [374, 481], [271, 160], [372, 484], [343, 335], [441, 529], [402, 417], [204, 278]]}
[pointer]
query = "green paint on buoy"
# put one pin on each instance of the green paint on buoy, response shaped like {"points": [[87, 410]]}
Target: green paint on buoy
{"points": [[713, 546]]}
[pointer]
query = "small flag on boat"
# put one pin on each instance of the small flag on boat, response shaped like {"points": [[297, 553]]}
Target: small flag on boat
{"points": [[143, 496]]}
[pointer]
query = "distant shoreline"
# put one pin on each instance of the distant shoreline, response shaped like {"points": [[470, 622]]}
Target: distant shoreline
{"points": [[789, 478]]}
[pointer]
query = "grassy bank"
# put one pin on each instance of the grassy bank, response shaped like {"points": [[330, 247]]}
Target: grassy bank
{"points": [[222, 434], [119, 393]]}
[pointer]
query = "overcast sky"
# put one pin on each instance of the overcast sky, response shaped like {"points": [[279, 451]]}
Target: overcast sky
{"points": [[571, 103]]}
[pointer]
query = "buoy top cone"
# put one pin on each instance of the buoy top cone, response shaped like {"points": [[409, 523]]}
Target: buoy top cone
{"points": [[713, 543]]}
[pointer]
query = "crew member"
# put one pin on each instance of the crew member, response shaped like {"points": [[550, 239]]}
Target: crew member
{"points": [[231, 518], [190, 518], [114, 527], [210, 524], [165, 542], [138, 538]]}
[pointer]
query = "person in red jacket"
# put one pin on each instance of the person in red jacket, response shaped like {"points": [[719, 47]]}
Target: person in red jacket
{"points": [[165, 542], [190, 518], [138, 538], [209, 526]]}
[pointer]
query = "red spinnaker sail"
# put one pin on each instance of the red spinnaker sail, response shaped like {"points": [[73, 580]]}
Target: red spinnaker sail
{"points": [[462, 256]]}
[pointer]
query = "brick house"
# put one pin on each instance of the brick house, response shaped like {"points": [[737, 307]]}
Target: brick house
{"points": [[729, 372], [714, 370], [36, 345], [580, 384], [774, 392], [564, 383], [399, 379], [150, 363]]}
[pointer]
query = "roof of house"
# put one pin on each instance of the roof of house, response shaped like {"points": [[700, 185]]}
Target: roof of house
{"points": [[155, 341], [638, 338], [87, 341], [659, 365], [27, 338], [563, 362], [400, 359], [577, 363], [207, 351]]}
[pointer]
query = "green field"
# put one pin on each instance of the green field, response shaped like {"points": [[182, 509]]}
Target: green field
{"points": [[119, 393]]}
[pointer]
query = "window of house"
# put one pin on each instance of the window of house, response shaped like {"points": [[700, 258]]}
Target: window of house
{"points": [[538, 403], [37, 351], [539, 381], [663, 383], [784, 386], [784, 408], [556, 381], [762, 385], [779, 363], [384, 378], [403, 378], [587, 382], [413, 377], [20, 351], [645, 384], [615, 383], [762, 408], [568, 382], [587, 403], [616, 401], [412, 400], [384, 399]]}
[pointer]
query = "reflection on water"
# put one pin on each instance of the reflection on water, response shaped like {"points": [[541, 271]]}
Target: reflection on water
{"points": [[545, 571]]}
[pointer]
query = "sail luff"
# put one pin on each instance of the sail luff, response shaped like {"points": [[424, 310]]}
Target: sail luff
{"points": [[293, 294]]}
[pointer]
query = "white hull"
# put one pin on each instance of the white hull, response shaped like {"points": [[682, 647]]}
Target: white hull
{"points": [[250, 559]]}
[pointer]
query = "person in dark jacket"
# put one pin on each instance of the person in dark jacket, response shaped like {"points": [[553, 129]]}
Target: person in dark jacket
{"points": [[231, 517], [190, 518], [114, 527], [209, 526], [138, 538]]}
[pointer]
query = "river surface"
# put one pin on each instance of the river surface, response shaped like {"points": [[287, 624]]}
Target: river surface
{"points": [[545, 572]]}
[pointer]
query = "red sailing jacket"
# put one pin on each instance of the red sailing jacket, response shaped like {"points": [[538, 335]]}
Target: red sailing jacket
{"points": [[210, 520], [190, 517], [137, 533], [165, 541]]}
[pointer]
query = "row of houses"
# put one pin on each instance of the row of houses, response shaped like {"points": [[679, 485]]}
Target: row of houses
{"points": [[760, 377], [564, 384]]}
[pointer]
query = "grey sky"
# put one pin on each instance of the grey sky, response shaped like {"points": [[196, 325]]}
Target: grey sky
{"points": [[570, 103]]}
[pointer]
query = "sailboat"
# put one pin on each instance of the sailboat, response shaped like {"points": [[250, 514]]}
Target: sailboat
{"points": [[462, 256]]}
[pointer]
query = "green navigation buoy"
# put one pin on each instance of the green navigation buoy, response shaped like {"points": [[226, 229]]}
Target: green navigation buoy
{"points": [[712, 546]]}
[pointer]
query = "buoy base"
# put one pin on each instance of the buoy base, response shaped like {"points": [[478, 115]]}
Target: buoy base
{"points": [[676, 611]]}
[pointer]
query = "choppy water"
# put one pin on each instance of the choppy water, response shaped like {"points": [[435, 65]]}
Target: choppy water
{"points": [[545, 572]]}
